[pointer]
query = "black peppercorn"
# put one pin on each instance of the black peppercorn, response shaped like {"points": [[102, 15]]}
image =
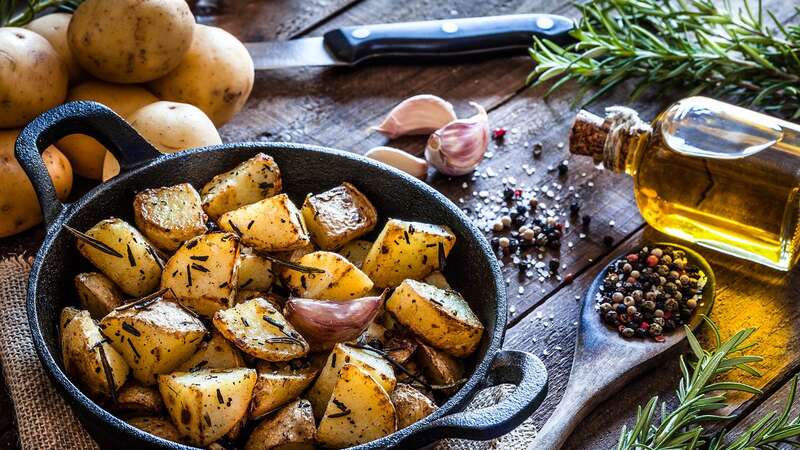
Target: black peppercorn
{"points": [[562, 169], [495, 243], [554, 264], [508, 194], [574, 208], [522, 209], [586, 220]]}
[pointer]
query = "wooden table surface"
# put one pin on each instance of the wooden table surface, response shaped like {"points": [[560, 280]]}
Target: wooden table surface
{"points": [[335, 107]]}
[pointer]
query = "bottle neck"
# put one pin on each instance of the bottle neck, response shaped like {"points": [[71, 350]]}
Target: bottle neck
{"points": [[627, 133]]}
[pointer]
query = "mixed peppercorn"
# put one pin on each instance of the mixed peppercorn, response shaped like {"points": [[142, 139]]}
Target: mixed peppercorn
{"points": [[650, 292]]}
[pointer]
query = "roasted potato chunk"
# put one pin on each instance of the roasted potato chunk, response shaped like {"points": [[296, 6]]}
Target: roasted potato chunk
{"points": [[157, 426], [280, 383], [437, 279], [338, 216], [97, 293], [358, 412], [134, 398], [169, 216], [411, 405], [270, 225], [290, 428], [370, 362], [259, 330], [251, 181], [121, 252], [407, 250], [89, 361], [439, 367], [356, 251], [203, 272], [206, 404], [67, 314], [255, 272], [216, 353], [154, 336], [340, 281], [439, 317]]}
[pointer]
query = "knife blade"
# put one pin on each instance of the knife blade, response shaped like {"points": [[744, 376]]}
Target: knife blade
{"points": [[414, 42]]}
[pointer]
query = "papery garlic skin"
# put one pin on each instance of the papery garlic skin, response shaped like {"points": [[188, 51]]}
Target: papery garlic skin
{"points": [[420, 114], [458, 147], [410, 164]]}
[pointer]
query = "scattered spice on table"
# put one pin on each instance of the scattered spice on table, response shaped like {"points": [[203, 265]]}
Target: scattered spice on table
{"points": [[650, 292]]}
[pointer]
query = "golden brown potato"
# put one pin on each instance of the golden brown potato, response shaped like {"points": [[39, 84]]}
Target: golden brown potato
{"points": [[253, 180], [207, 404], [280, 383], [154, 336], [97, 293], [89, 361], [129, 260], [338, 216], [255, 272], [259, 330], [169, 216], [33, 77], [53, 27], [356, 251], [86, 154], [296, 254], [440, 317], [411, 405], [18, 203], [216, 353], [400, 349], [203, 272], [439, 367], [407, 250], [216, 75], [371, 362], [130, 41], [290, 428], [157, 426], [67, 314], [136, 399], [359, 411], [340, 281], [270, 225]]}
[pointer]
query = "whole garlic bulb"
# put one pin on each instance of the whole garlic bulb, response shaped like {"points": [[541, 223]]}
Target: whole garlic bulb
{"points": [[420, 114], [458, 147]]}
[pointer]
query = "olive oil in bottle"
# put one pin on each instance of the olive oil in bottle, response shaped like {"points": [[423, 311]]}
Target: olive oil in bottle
{"points": [[711, 173]]}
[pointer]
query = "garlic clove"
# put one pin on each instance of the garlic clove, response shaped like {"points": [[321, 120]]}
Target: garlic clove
{"points": [[458, 147], [410, 164], [420, 114]]}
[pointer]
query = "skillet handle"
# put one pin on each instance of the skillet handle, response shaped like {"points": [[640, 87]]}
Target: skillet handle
{"points": [[89, 118], [524, 370]]}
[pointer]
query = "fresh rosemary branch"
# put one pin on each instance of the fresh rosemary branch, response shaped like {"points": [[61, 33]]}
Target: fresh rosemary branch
{"points": [[746, 56], [16, 13]]}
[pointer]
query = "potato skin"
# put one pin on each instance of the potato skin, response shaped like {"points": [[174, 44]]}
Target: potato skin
{"points": [[169, 216], [53, 27], [279, 383], [292, 426], [172, 126], [216, 75], [130, 41], [411, 405], [136, 399], [157, 426], [33, 77], [19, 206], [97, 293]]}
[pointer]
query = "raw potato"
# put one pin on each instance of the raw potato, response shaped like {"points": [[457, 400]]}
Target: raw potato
{"points": [[338, 216], [135, 267], [53, 27], [137, 399], [97, 293], [130, 41], [440, 317], [157, 426], [203, 272], [356, 251], [411, 405], [18, 203], [259, 330], [216, 353], [153, 339], [169, 216], [280, 383], [291, 427], [359, 411], [33, 77], [255, 272], [341, 280], [407, 250], [253, 180], [439, 367], [207, 404], [86, 154], [270, 225], [83, 349], [216, 75], [370, 362]]}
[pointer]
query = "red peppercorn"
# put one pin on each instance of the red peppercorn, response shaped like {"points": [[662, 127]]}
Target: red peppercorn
{"points": [[667, 315], [498, 133], [659, 338], [652, 261], [560, 226], [517, 193], [632, 258], [644, 325]]}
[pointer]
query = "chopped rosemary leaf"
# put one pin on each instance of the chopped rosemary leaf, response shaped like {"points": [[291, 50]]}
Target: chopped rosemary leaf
{"points": [[93, 242]]}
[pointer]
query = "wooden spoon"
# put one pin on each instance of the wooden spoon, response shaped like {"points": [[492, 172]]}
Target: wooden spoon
{"points": [[604, 362]]}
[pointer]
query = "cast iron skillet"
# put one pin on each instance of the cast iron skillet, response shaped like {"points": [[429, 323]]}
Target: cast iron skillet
{"points": [[472, 268]]}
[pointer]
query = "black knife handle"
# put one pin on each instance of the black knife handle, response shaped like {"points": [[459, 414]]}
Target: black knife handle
{"points": [[413, 41]]}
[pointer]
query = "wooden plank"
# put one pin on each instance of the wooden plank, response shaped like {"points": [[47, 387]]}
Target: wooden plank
{"points": [[774, 403]]}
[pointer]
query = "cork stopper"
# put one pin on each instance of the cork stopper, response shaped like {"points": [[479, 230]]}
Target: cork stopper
{"points": [[588, 135]]}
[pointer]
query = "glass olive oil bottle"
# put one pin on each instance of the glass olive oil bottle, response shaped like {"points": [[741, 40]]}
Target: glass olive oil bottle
{"points": [[721, 176]]}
